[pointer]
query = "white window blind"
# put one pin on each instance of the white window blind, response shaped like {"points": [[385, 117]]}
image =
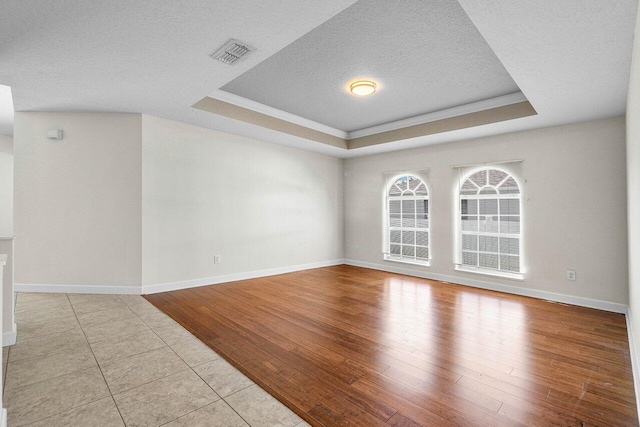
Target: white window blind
{"points": [[489, 222], [406, 233]]}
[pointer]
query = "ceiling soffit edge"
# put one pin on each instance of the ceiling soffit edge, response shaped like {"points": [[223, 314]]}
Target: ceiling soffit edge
{"points": [[489, 111]]}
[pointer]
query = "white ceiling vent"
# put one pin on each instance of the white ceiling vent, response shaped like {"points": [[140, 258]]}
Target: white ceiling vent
{"points": [[233, 51]]}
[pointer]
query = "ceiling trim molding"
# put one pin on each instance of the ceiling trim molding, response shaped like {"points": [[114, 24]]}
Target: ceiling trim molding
{"points": [[236, 112], [462, 117], [478, 118], [249, 104], [474, 107]]}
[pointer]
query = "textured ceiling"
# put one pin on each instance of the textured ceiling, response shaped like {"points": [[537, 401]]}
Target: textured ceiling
{"points": [[425, 56], [570, 58], [147, 57]]}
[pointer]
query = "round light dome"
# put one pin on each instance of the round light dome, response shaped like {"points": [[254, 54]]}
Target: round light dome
{"points": [[362, 88]]}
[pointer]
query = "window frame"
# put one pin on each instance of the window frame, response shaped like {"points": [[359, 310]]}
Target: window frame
{"points": [[387, 228], [460, 232]]}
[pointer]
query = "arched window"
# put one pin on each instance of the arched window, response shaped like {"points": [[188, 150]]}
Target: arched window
{"points": [[407, 230], [489, 227]]}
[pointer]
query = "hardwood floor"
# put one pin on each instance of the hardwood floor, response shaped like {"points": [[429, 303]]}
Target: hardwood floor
{"points": [[351, 346]]}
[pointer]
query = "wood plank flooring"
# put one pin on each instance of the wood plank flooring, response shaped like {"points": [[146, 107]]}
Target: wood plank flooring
{"points": [[351, 346]]}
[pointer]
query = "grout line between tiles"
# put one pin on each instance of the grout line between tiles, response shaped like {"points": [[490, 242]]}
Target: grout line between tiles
{"points": [[192, 370], [139, 317], [234, 409], [74, 407], [185, 362], [253, 383], [39, 356], [116, 337], [99, 368], [170, 348], [243, 388], [190, 412], [203, 380], [68, 409]]}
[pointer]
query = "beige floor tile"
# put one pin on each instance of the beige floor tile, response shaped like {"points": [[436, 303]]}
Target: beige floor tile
{"points": [[47, 327], [39, 346], [164, 400], [260, 409], [194, 352], [105, 316], [101, 413], [130, 372], [217, 414], [44, 313], [132, 299], [157, 320], [111, 330], [93, 298], [40, 368], [223, 378], [118, 348], [139, 305], [44, 399], [144, 309], [173, 334], [42, 304], [52, 378], [24, 297], [84, 303], [303, 424]]}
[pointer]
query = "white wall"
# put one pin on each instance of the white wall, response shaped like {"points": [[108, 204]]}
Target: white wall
{"points": [[125, 194], [8, 315], [633, 195], [78, 207], [6, 186], [574, 215], [6, 231], [130, 200], [258, 205]]}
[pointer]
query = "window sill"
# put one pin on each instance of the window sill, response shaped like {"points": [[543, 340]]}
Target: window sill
{"points": [[504, 275], [407, 261]]}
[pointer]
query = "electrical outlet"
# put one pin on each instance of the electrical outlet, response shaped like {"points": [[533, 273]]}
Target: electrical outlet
{"points": [[216, 259], [357, 248], [571, 275]]}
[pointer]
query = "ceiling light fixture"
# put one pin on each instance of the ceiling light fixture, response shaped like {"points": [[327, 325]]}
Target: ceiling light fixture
{"points": [[362, 87]]}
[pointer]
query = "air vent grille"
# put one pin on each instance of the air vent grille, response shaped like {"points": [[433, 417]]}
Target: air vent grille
{"points": [[233, 51]]}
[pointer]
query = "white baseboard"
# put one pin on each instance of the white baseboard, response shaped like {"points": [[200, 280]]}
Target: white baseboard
{"points": [[635, 367], [77, 289], [3, 418], [516, 290], [164, 287], [9, 338], [184, 284], [174, 286]]}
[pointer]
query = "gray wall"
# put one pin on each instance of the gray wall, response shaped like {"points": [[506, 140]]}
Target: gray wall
{"points": [[574, 208]]}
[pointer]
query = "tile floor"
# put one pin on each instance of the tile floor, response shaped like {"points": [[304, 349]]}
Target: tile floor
{"points": [[109, 360]]}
